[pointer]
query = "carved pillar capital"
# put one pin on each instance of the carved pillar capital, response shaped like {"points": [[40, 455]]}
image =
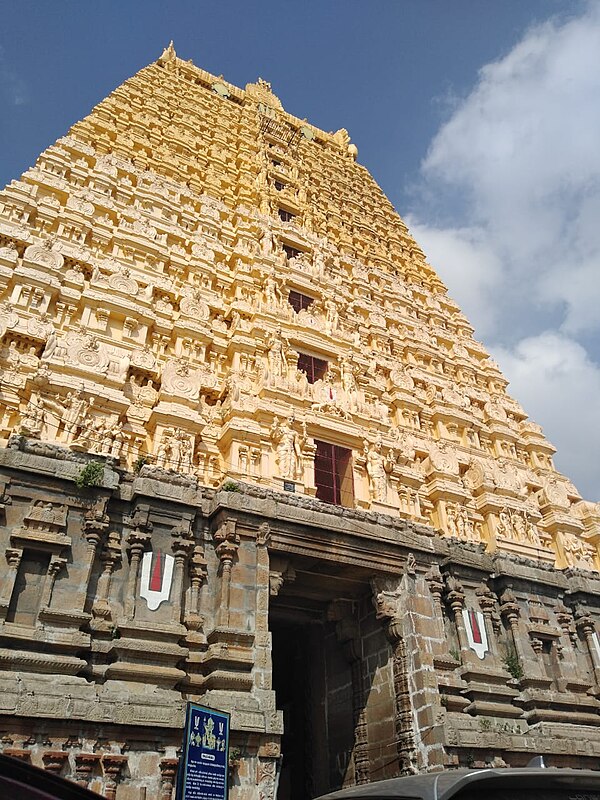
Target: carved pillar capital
{"points": [[227, 542], [435, 581], [111, 552], [509, 607], [54, 760], [455, 594], [168, 773], [55, 565], [85, 764], [198, 568], [13, 557], [112, 764], [136, 542], [263, 534], [95, 523]]}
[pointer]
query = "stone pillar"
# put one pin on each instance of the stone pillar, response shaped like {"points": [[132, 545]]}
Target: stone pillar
{"points": [[308, 467], [13, 559], [511, 611], [181, 550], [95, 525], [436, 584], [168, 774], [55, 566], [405, 739], [586, 628], [193, 619], [112, 764], [265, 778], [85, 763], [263, 536], [227, 543], [456, 600], [489, 606], [110, 556], [136, 545]]}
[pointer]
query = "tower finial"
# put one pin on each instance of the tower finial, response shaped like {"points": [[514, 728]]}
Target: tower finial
{"points": [[168, 54]]}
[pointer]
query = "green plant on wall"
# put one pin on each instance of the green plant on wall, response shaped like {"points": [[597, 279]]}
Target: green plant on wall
{"points": [[512, 664], [140, 462], [230, 486], [455, 653], [90, 475]]}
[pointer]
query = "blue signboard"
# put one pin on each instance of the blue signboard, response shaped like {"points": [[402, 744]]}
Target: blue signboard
{"points": [[204, 765]]}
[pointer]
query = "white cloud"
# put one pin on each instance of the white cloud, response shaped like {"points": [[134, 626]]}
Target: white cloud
{"points": [[516, 169], [467, 264], [554, 379]]}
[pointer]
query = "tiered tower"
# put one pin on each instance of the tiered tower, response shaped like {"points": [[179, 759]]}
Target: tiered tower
{"points": [[235, 398], [197, 281]]}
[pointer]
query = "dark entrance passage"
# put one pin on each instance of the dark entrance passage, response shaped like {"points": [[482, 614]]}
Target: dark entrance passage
{"points": [[316, 675], [313, 686], [292, 685]]}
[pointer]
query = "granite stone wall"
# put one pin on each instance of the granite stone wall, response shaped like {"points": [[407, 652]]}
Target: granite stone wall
{"points": [[419, 652]]}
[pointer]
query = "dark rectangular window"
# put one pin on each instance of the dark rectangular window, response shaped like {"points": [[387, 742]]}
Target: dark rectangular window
{"points": [[299, 301], [333, 474], [315, 368], [285, 216], [279, 185], [291, 252]]}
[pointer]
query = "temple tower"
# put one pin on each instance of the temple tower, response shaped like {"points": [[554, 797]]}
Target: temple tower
{"points": [[254, 456]]}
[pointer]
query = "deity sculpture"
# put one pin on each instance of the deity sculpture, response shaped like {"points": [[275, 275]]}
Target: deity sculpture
{"points": [[75, 408], [175, 451], [33, 417], [276, 358], [288, 447], [332, 316], [271, 292], [378, 467], [145, 395]]}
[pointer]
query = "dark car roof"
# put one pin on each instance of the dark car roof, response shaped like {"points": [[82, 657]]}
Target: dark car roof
{"points": [[446, 784]]}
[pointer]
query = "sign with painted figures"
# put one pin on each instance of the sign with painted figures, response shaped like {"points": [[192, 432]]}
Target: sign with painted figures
{"points": [[203, 774]]}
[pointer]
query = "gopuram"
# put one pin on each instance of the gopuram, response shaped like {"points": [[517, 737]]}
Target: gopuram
{"points": [[252, 456]]}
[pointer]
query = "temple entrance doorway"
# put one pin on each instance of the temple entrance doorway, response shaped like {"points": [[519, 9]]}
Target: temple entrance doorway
{"points": [[315, 674]]}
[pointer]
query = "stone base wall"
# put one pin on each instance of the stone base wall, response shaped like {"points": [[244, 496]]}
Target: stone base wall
{"points": [[121, 601]]}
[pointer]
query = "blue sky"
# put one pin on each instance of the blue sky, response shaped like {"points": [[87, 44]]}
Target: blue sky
{"points": [[480, 119]]}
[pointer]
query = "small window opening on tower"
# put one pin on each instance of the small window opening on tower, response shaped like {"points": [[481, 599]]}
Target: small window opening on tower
{"points": [[284, 215], [298, 301], [333, 474], [314, 368], [291, 252], [279, 186]]}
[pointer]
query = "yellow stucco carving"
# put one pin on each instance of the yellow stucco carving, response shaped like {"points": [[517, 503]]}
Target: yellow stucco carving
{"points": [[146, 262]]}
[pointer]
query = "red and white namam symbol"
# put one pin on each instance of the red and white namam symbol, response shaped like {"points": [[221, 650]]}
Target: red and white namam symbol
{"points": [[475, 628], [157, 576]]}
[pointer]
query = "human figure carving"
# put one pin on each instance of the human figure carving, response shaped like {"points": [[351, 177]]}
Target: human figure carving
{"points": [[288, 447], [272, 292], [276, 358], [51, 345], [33, 416], [332, 316], [378, 467], [75, 408]]}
